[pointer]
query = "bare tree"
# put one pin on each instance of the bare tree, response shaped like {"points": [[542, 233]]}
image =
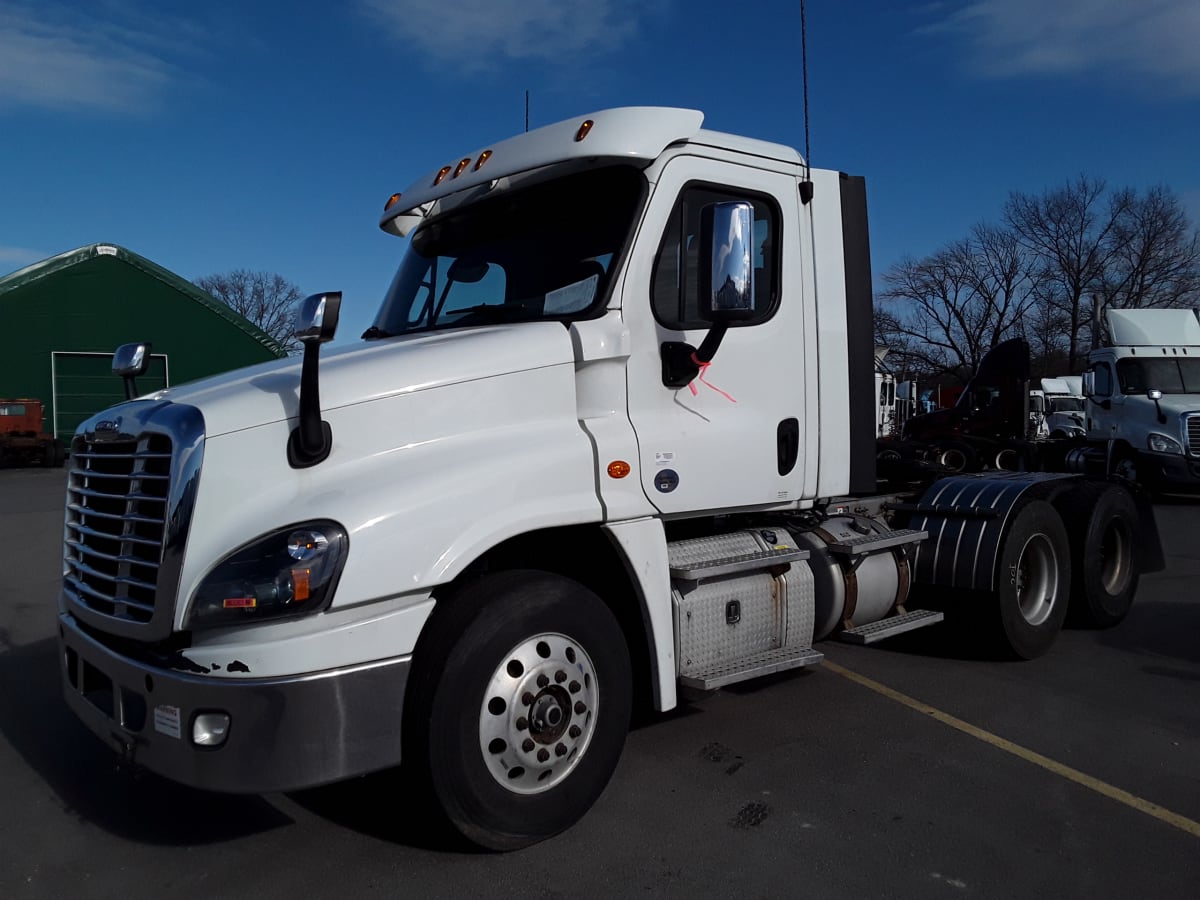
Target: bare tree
{"points": [[266, 299], [1155, 258], [950, 308], [1130, 250]]}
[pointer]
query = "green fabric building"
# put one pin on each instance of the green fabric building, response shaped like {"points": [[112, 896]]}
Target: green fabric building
{"points": [[64, 316]]}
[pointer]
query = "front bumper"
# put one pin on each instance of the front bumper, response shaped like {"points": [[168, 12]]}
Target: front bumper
{"points": [[284, 733]]}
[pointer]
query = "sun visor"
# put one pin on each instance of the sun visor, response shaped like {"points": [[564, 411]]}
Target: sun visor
{"points": [[1153, 327], [631, 133]]}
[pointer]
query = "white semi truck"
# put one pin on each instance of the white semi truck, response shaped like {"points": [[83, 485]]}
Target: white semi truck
{"points": [[1143, 389], [612, 434]]}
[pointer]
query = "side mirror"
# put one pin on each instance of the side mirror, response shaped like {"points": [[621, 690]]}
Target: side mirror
{"points": [[1089, 384], [129, 362], [317, 318], [316, 324], [726, 269], [1155, 394]]}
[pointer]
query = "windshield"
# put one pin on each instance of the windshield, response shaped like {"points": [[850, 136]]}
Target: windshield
{"points": [[541, 252], [1066, 404], [1171, 376]]}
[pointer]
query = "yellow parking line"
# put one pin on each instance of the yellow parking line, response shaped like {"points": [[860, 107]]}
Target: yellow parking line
{"points": [[1183, 823]]}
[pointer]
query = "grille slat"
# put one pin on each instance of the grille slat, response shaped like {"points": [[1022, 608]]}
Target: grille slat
{"points": [[1193, 434], [112, 558], [116, 524], [89, 511], [80, 589], [85, 532], [107, 495]]}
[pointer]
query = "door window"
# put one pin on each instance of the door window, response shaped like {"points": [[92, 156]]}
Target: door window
{"points": [[675, 294]]}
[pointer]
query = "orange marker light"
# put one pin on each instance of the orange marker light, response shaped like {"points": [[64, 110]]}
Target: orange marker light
{"points": [[584, 130], [618, 468], [483, 157], [442, 173], [391, 201], [239, 603], [462, 164], [300, 584]]}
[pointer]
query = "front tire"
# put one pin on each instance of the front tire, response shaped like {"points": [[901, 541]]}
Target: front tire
{"points": [[1033, 581], [518, 706]]}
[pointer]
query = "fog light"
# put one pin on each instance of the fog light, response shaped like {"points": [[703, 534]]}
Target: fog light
{"points": [[210, 729]]}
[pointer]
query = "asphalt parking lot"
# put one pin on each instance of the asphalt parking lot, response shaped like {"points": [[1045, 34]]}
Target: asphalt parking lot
{"points": [[910, 769]]}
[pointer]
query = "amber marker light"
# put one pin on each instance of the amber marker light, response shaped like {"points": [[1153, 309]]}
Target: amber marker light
{"points": [[462, 164], [483, 157], [584, 130], [391, 201], [442, 173], [618, 468]]}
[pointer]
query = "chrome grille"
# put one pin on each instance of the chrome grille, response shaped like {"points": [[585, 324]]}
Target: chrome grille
{"points": [[117, 502], [1191, 427]]}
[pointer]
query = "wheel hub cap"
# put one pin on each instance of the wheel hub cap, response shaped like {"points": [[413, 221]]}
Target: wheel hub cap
{"points": [[538, 713]]}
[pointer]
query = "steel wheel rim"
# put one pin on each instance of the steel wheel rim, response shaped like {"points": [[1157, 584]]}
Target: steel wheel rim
{"points": [[1036, 579], [953, 459], [1114, 557], [538, 713]]}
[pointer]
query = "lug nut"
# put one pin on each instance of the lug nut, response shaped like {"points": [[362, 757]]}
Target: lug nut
{"points": [[522, 724], [574, 731], [580, 708], [560, 676], [543, 755], [542, 681], [574, 687], [527, 745], [527, 698], [560, 750]]}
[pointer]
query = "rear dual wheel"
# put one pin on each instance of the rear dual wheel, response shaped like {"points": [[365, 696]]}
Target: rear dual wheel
{"points": [[1033, 581], [1102, 521], [518, 706]]}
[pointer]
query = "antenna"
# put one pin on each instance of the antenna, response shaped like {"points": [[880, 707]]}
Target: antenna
{"points": [[806, 186], [527, 110]]}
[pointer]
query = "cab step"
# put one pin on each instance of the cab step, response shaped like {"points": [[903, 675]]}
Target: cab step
{"points": [[755, 666], [891, 626], [877, 543], [701, 559]]}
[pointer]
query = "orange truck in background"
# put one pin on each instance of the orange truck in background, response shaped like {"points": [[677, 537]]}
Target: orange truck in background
{"points": [[22, 440]]}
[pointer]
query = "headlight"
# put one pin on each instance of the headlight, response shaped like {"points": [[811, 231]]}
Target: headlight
{"points": [[1160, 443], [290, 572]]}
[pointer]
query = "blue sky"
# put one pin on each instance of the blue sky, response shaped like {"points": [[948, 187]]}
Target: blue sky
{"points": [[267, 135]]}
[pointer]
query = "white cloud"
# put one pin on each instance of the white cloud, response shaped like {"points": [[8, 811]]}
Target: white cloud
{"points": [[475, 34], [1154, 40], [59, 58]]}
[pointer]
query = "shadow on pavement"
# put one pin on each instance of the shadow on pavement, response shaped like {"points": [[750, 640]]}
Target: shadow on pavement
{"points": [[86, 775], [1159, 629]]}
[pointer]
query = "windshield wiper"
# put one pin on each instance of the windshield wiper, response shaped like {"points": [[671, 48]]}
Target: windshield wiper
{"points": [[374, 333]]}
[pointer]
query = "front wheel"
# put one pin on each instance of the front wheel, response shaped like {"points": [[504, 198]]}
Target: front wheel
{"points": [[1033, 581], [518, 706]]}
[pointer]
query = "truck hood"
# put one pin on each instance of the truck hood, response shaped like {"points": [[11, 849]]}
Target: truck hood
{"points": [[360, 373]]}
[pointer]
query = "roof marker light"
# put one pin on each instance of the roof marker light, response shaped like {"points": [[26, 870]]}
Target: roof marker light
{"points": [[391, 201], [483, 157], [442, 173], [462, 164], [584, 130]]}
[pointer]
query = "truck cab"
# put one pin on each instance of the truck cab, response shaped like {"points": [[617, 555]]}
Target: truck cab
{"points": [[1143, 396]]}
